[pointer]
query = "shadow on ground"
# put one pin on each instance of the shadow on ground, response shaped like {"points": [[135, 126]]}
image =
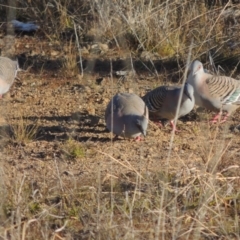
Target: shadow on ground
{"points": [[79, 126], [103, 66]]}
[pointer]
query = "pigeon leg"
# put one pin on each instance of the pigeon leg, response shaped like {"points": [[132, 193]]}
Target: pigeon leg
{"points": [[225, 118], [174, 128], [138, 139], [216, 117], [158, 123]]}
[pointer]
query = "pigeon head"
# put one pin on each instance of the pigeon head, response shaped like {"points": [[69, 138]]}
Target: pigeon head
{"points": [[196, 67]]}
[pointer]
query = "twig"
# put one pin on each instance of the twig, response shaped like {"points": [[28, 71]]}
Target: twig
{"points": [[79, 48], [128, 167], [59, 178]]}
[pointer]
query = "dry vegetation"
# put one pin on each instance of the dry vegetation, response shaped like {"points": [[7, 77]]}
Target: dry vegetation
{"points": [[61, 175]]}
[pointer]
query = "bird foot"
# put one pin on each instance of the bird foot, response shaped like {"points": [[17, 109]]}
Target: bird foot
{"points": [[159, 124], [138, 139], [174, 128], [223, 121], [217, 119], [225, 118]]}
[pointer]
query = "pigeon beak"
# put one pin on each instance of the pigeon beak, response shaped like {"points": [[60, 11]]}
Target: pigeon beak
{"points": [[198, 68], [187, 94], [144, 133], [195, 73], [141, 129]]}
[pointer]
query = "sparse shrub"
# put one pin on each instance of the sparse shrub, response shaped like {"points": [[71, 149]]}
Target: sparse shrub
{"points": [[34, 207], [70, 66], [23, 131], [74, 149]]}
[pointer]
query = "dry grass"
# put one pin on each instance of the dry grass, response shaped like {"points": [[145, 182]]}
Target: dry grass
{"points": [[24, 131], [71, 182], [121, 190], [165, 28], [70, 66]]}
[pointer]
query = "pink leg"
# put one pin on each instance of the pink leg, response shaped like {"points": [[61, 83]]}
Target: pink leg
{"points": [[158, 123], [216, 117], [138, 139], [174, 128], [225, 118], [0, 95]]}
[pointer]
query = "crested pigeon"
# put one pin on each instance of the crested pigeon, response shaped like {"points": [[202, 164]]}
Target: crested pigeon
{"points": [[162, 103], [8, 72], [127, 115], [216, 93]]}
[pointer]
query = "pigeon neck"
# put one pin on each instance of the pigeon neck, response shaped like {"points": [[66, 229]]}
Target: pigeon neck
{"points": [[199, 76]]}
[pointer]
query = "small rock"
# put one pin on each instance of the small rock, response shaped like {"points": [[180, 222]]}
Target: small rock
{"points": [[121, 73], [99, 48], [33, 53], [54, 53], [103, 47], [94, 46], [95, 49]]}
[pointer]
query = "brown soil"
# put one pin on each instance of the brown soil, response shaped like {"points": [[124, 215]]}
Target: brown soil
{"points": [[69, 111]]}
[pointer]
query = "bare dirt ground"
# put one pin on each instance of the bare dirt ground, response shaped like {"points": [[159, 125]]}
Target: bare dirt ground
{"points": [[72, 147]]}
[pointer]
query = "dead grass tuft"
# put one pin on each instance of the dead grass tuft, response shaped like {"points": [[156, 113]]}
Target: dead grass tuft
{"points": [[23, 131]]}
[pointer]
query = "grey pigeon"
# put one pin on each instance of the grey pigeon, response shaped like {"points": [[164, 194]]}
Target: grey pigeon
{"points": [[216, 93], [8, 72], [127, 115], [162, 103]]}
